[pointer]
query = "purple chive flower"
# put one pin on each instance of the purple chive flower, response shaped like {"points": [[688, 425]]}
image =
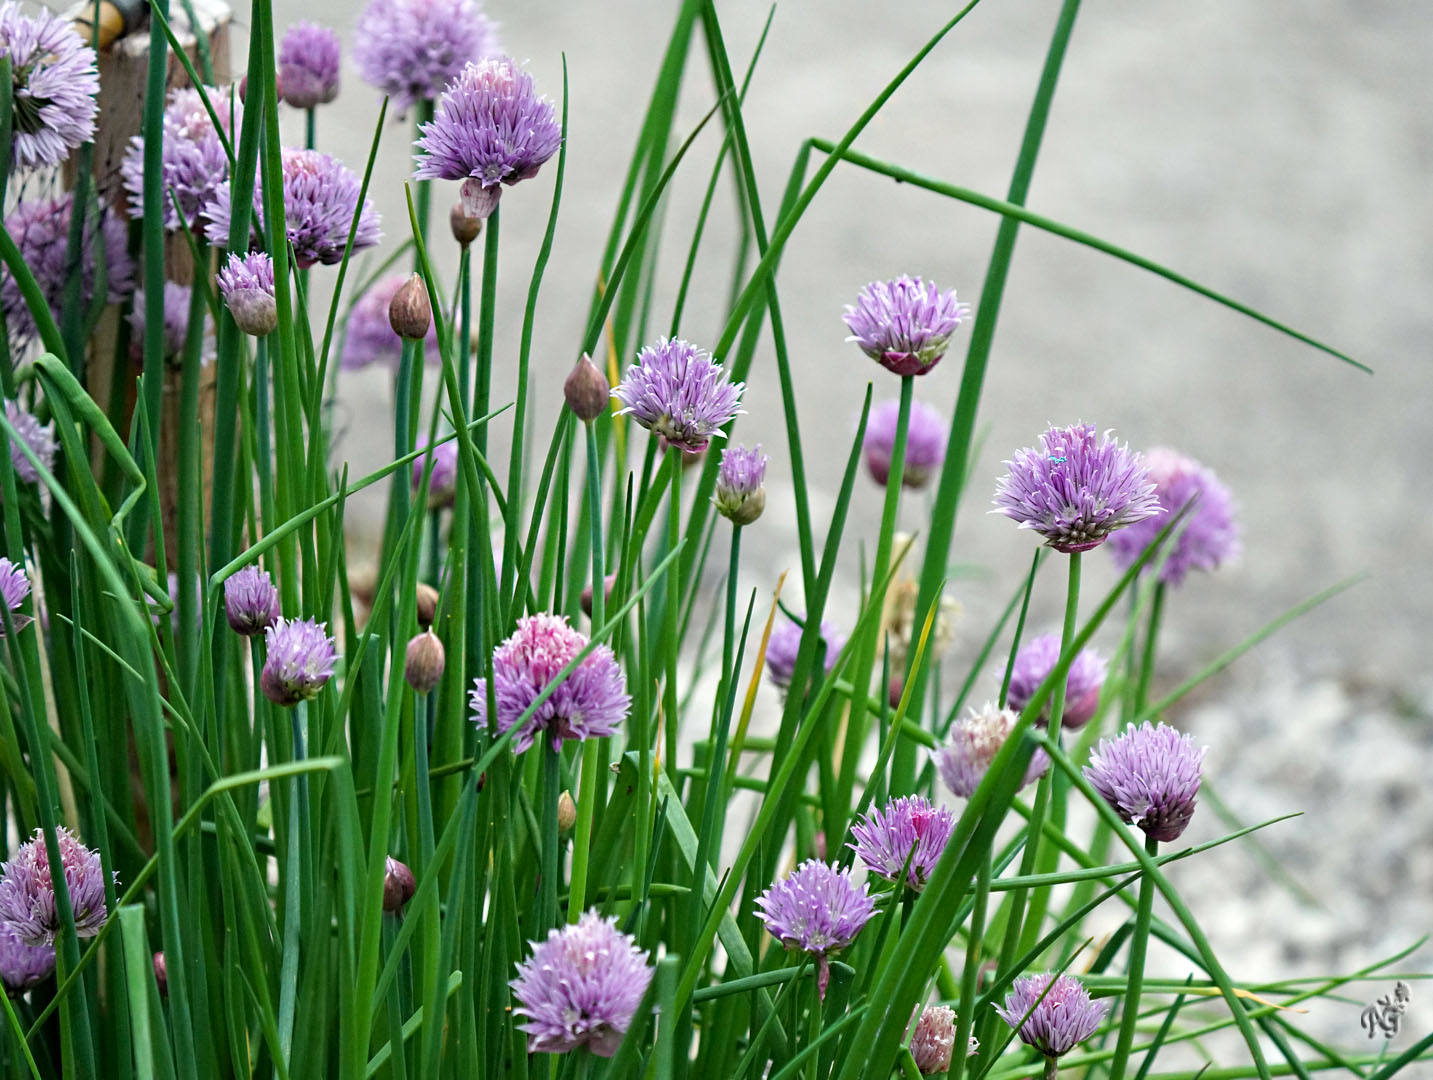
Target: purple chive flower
{"points": [[908, 828], [1076, 488], [679, 392], [27, 893], [308, 65], [933, 1041], [23, 966], [320, 197], [925, 442], [590, 702], [816, 909], [411, 49], [975, 739], [176, 319], [491, 128], [41, 230], [14, 587], [444, 480], [300, 660], [1065, 1017], [785, 643], [53, 88], [1033, 664], [904, 325], [1150, 775], [39, 438], [195, 164], [1209, 535], [581, 987], [247, 285], [251, 603], [740, 495], [368, 335]]}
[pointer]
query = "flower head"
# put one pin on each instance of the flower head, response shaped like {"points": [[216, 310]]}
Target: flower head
{"points": [[1076, 488], [320, 198], [39, 438], [1209, 535], [909, 828], [14, 587], [300, 660], [581, 987], [1064, 1018], [247, 285], [816, 909], [53, 88], [1150, 775], [251, 603], [680, 392], [925, 443], [904, 325], [195, 163], [41, 230], [176, 319], [1033, 664], [975, 739], [491, 128], [308, 65], [592, 700], [27, 892], [740, 495], [411, 49], [933, 1041], [399, 885], [586, 390], [785, 643], [444, 480], [23, 966], [369, 337]]}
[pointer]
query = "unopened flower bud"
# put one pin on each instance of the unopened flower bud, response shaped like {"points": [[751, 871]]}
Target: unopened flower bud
{"points": [[566, 812], [586, 390], [161, 974], [465, 228], [586, 599], [427, 604], [740, 495], [423, 667], [410, 312], [398, 886]]}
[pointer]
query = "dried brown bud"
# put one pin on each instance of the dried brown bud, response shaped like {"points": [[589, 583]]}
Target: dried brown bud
{"points": [[410, 314], [423, 667], [586, 599], [398, 886], [566, 812], [586, 390], [465, 229], [161, 974], [427, 604]]}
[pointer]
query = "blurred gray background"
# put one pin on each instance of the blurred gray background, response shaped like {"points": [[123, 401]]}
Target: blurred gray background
{"points": [[1278, 152]]}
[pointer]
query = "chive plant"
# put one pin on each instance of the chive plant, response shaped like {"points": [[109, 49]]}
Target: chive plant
{"points": [[262, 822]]}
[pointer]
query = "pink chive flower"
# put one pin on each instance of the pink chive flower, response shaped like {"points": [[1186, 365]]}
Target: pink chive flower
{"points": [[1033, 664], [816, 909], [54, 81], [1063, 1019], [740, 495], [933, 1041], [443, 482], [785, 643], [195, 163], [14, 587], [176, 320], [679, 392], [411, 49], [368, 334], [904, 325], [1150, 775], [247, 286], [1209, 535], [975, 739], [27, 892], [299, 662], [23, 966], [909, 828], [39, 438], [1076, 488], [925, 443], [251, 603], [591, 702], [491, 128], [581, 987], [308, 65]]}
